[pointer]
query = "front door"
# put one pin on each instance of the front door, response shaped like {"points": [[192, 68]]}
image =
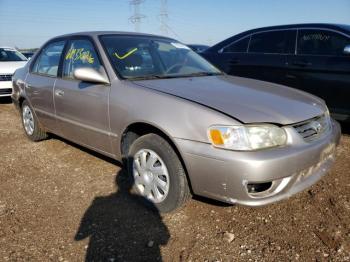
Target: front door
{"points": [[268, 52], [82, 107], [232, 58]]}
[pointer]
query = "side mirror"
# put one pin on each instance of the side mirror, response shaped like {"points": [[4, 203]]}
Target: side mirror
{"points": [[347, 50], [88, 74]]}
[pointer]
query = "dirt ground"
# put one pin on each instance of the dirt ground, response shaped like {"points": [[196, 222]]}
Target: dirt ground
{"points": [[59, 202]]}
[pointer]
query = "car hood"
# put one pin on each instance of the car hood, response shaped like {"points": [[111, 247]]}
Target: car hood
{"points": [[248, 100], [10, 67]]}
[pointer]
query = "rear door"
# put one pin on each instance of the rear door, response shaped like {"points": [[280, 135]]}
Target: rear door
{"points": [[82, 107], [322, 68], [40, 82]]}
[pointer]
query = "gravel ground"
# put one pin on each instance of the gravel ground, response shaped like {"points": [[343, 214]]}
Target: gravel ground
{"points": [[60, 202]]}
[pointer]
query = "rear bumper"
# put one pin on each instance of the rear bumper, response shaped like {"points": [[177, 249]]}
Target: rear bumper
{"points": [[5, 88], [224, 174]]}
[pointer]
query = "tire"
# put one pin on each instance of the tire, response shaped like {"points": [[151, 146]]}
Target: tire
{"points": [[163, 198], [32, 130]]}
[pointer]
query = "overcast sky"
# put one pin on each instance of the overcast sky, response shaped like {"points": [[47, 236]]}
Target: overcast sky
{"points": [[29, 23]]}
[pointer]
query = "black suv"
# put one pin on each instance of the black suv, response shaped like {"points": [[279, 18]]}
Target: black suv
{"points": [[311, 57]]}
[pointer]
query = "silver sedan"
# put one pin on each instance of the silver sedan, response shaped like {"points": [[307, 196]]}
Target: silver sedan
{"points": [[179, 125]]}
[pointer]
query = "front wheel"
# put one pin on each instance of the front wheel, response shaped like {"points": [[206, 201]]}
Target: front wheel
{"points": [[157, 173]]}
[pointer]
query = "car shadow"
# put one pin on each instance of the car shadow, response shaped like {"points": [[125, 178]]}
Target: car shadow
{"points": [[345, 128], [5, 100], [121, 228], [206, 200]]}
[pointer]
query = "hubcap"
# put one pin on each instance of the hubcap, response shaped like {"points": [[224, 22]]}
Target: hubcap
{"points": [[28, 120], [150, 175]]}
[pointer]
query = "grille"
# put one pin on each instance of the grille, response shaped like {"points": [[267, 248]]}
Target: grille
{"points": [[6, 91], [313, 128], [5, 77]]}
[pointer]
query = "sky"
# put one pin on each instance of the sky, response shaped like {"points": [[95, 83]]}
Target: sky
{"points": [[29, 23]]}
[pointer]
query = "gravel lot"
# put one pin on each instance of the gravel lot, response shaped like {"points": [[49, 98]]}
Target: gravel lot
{"points": [[60, 202]]}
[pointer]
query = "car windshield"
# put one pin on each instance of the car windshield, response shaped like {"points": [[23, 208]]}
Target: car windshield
{"points": [[135, 57], [9, 55]]}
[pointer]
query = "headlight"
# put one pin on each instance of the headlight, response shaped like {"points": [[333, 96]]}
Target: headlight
{"points": [[248, 137]]}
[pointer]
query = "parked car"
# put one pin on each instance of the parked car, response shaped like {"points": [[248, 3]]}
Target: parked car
{"points": [[10, 60], [198, 48], [311, 57], [180, 125]]}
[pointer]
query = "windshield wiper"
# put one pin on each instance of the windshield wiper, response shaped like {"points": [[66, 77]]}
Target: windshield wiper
{"points": [[152, 77], [148, 77], [195, 74], [145, 77]]}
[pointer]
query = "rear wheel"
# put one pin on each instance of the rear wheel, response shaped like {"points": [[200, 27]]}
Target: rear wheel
{"points": [[30, 124], [157, 173]]}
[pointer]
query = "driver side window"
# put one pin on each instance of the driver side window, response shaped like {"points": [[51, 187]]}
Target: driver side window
{"points": [[80, 53]]}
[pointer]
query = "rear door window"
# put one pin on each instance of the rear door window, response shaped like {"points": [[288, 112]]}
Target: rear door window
{"points": [[321, 42], [48, 61], [273, 42], [80, 53]]}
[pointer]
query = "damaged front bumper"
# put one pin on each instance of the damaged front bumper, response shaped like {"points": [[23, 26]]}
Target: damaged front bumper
{"points": [[260, 177]]}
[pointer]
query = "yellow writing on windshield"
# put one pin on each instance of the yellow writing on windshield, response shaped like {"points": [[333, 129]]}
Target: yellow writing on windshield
{"points": [[79, 54], [126, 55]]}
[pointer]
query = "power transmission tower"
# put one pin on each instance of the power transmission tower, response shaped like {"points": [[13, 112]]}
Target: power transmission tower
{"points": [[136, 19], [163, 17]]}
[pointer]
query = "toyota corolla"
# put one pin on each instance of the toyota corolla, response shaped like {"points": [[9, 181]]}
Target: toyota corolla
{"points": [[181, 126]]}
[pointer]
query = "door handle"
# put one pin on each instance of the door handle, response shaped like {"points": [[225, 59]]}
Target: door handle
{"points": [[290, 76], [28, 86], [234, 62], [59, 92], [302, 63]]}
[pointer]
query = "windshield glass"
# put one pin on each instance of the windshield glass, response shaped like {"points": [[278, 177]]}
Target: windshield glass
{"points": [[7, 54], [136, 57]]}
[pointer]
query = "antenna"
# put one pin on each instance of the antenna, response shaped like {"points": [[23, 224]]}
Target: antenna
{"points": [[163, 16], [136, 19]]}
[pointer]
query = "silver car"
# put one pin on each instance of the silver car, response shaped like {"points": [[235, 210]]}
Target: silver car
{"points": [[180, 125]]}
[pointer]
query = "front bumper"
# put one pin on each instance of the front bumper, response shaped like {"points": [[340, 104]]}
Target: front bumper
{"points": [[224, 174], [5, 88]]}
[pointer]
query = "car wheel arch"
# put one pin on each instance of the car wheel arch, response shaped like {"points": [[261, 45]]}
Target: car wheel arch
{"points": [[21, 100], [135, 130]]}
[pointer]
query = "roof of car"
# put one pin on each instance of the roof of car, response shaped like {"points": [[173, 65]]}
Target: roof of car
{"points": [[98, 33], [8, 47], [339, 27], [326, 25]]}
